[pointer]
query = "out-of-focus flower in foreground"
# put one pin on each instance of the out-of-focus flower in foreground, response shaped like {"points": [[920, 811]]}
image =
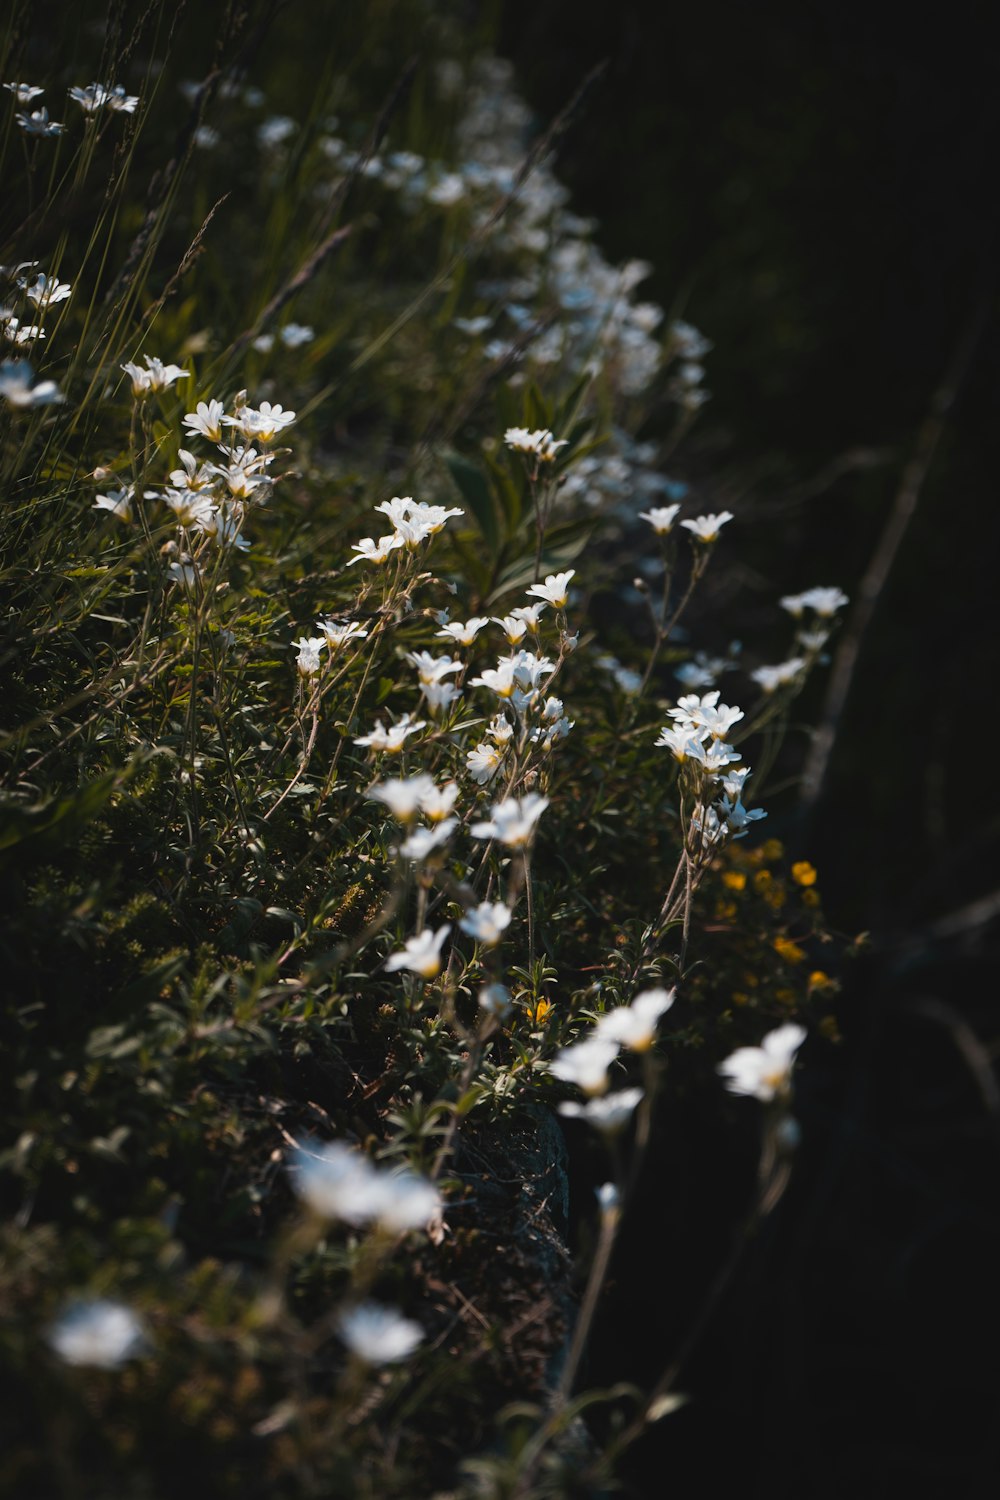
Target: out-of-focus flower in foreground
{"points": [[764, 1072]]}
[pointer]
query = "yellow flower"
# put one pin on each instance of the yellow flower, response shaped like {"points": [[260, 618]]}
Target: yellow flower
{"points": [[803, 873], [789, 951], [773, 849], [735, 880]]}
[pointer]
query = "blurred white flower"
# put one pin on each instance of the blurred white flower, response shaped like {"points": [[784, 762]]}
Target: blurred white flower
{"points": [[391, 740], [423, 841], [19, 388], [764, 1072], [661, 518], [512, 822], [540, 443], [634, 1025], [607, 1113], [38, 123], [421, 954], [772, 678], [403, 796], [706, 529], [586, 1063], [339, 1182], [119, 503], [495, 1000], [97, 1332], [23, 92], [379, 1335], [825, 602], [487, 922], [90, 99]]}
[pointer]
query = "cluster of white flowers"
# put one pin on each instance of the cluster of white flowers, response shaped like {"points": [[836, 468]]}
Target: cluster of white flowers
{"points": [[210, 499], [94, 97], [587, 1063], [697, 739], [22, 328], [338, 1182], [816, 608], [413, 522], [603, 328]]}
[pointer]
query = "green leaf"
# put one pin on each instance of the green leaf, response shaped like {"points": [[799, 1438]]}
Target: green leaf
{"points": [[474, 489]]}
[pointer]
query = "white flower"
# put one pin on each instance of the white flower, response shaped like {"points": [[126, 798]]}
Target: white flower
{"points": [[764, 1072], [338, 1182], [529, 669], [92, 98], [540, 442], [712, 756], [17, 332], [737, 818], [500, 680], [309, 660], [403, 796], [772, 678], [705, 718], [119, 503], [500, 731], [206, 420], [190, 508], [555, 589], [512, 822], [17, 386], [121, 102], [45, 291], [513, 627], [23, 92], [463, 634], [432, 668], [338, 635], [439, 696], [825, 602], [495, 1000], [634, 1025], [531, 614], [607, 1113], [38, 123], [156, 377], [391, 740], [379, 1335], [483, 762], [423, 841], [437, 802], [192, 475], [487, 922], [661, 518], [263, 422], [681, 741], [734, 781], [586, 1063], [97, 1332], [372, 551], [421, 954], [293, 335], [706, 528]]}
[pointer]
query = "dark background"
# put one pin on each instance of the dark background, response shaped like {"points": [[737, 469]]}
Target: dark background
{"points": [[816, 185]]}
